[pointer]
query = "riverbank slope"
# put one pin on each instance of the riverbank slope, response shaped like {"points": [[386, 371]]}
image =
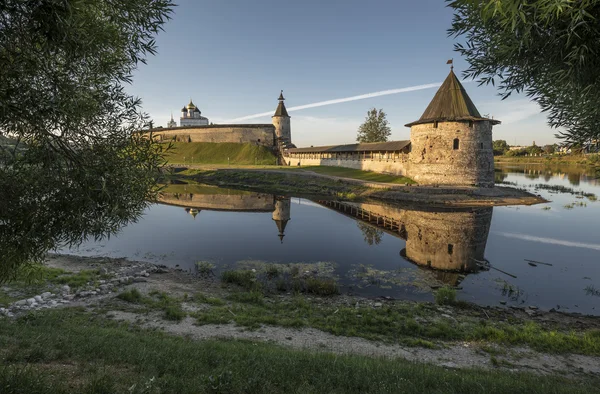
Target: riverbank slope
{"points": [[301, 182], [108, 325]]}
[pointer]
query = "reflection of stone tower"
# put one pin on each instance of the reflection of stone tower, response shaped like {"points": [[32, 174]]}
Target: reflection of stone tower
{"points": [[282, 214], [451, 241], [452, 143], [281, 121]]}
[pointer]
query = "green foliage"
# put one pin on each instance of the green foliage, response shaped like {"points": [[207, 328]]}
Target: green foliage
{"points": [[203, 299], [133, 295], [251, 297], [243, 278], [83, 349], [218, 153], [78, 167], [359, 174], [205, 268], [174, 312], [445, 296], [500, 147], [322, 286], [375, 128], [545, 48]]}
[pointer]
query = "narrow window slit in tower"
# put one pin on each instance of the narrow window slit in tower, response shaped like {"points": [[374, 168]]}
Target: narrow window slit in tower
{"points": [[456, 144]]}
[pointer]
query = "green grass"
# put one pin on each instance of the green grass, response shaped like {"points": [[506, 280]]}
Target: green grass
{"points": [[284, 182], [133, 296], [156, 301], [217, 153], [69, 350], [243, 278], [358, 174], [396, 323]]}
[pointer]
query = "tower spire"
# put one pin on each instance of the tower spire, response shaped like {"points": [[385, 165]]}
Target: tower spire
{"points": [[281, 110]]}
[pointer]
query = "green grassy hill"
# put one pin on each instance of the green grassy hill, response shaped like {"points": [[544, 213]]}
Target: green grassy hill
{"points": [[213, 153]]}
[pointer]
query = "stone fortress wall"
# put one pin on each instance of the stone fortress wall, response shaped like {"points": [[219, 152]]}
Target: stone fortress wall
{"points": [[260, 134], [452, 153], [383, 164]]}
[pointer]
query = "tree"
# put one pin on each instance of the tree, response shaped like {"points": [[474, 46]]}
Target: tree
{"points": [[549, 149], [375, 128], [372, 235], [500, 147], [545, 48], [79, 166]]}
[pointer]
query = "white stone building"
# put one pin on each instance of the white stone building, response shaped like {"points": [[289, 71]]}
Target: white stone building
{"points": [[191, 116]]}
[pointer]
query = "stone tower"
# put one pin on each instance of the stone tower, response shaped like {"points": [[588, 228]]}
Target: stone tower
{"points": [[452, 143], [282, 214], [281, 121]]}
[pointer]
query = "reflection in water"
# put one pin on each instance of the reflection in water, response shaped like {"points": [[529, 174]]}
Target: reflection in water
{"points": [[371, 234], [574, 174], [282, 214], [449, 241]]}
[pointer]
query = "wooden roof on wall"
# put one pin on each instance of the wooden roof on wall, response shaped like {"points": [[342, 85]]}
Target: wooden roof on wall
{"points": [[391, 146], [451, 103]]}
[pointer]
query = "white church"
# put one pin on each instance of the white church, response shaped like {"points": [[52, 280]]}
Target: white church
{"points": [[190, 116]]}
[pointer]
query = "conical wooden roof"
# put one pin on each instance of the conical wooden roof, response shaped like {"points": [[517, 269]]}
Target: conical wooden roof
{"points": [[281, 110], [450, 103]]}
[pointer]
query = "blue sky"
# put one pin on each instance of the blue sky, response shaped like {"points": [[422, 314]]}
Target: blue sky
{"points": [[234, 56]]}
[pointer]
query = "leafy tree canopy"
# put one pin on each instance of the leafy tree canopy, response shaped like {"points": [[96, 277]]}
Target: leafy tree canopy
{"points": [[545, 48], [375, 128], [76, 167], [500, 147]]}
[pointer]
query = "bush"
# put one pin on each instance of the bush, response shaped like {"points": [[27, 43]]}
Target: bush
{"points": [[205, 268], [323, 287], [174, 312], [445, 296], [133, 296], [243, 278]]}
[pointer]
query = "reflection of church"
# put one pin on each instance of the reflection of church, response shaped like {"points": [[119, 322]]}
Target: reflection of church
{"points": [[194, 203], [449, 241]]}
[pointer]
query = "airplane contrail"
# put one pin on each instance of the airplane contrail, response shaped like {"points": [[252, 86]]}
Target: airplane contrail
{"points": [[346, 99]]}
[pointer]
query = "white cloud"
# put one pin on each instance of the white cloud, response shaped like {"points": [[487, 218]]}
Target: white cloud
{"points": [[514, 111]]}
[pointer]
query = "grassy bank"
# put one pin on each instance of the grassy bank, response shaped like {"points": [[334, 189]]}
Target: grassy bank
{"points": [[281, 182], [369, 176], [213, 153], [73, 351], [588, 160]]}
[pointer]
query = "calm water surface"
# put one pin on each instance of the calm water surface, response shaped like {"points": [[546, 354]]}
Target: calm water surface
{"points": [[400, 253]]}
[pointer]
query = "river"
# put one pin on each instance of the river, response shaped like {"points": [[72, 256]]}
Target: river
{"points": [[546, 255]]}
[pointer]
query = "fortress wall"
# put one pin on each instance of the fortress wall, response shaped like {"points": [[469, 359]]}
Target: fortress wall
{"points": [[433, 160], [387, 166], [257, 134], [235, 202]]}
